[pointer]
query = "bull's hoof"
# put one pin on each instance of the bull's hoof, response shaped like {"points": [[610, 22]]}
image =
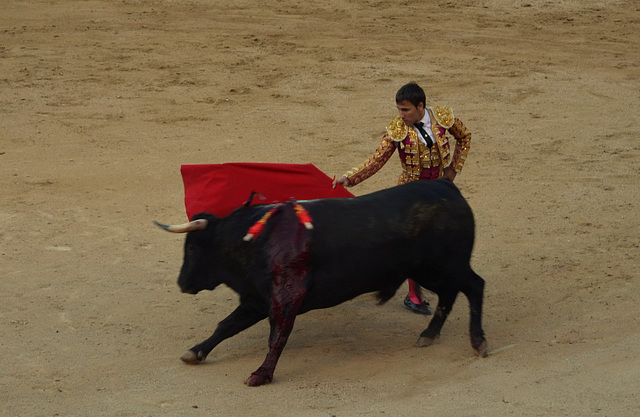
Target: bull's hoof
{"points": [[480, 347], [192, 357], [257, 380], [425, 341]]}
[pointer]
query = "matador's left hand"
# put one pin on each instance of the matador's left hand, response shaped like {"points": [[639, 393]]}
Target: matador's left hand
{"points": [[449, 174]]}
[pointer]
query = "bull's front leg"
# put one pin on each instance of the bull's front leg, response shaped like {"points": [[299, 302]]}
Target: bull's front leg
{"points": [[246, 315], [288, 292], [281, 326], [289, 253]]}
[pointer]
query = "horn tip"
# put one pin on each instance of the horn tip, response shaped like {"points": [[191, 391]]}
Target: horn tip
{"points": [[160, 225]]}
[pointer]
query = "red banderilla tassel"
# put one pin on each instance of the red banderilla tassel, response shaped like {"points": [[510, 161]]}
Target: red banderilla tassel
{"points": [[303, 216], [257, 227]]}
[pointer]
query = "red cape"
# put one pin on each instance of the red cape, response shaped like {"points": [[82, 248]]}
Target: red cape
{"points": [[221, 188]]}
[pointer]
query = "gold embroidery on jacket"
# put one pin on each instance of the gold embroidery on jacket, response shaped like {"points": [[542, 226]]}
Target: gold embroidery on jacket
{"points": [[443, 115], [397, 130]]}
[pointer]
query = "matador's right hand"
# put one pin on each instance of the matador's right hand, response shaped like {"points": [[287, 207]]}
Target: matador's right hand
{"points": [[343, 180]]}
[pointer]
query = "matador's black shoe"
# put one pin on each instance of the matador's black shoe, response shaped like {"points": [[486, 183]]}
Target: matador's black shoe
{"points": [[423, 308]]}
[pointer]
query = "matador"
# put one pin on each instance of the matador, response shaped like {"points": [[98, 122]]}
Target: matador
{"points": [[421, 136]]}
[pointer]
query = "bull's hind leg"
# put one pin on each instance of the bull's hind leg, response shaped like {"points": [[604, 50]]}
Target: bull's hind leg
{"points": [[474, 290], [446, 298], [472, 286]]}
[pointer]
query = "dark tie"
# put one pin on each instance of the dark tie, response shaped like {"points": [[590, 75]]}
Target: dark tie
{"points": [[424, 134]]}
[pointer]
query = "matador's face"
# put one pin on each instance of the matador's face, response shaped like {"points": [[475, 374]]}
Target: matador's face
{"points": [[409, 113]]}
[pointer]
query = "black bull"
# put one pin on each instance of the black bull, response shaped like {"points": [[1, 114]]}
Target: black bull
{"points": [[423, 230]]}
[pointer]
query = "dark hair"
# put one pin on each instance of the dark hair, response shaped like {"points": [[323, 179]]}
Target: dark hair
{"points": [[412, 93]]}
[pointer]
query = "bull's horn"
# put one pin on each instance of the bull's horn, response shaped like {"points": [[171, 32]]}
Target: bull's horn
{"points": [[199, 224]]}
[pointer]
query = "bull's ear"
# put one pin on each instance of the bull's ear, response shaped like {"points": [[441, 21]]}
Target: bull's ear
{"points": [[194, 225]]}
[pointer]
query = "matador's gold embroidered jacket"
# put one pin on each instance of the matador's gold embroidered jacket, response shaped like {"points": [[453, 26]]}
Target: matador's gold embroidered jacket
{"points": [[414, 154]]}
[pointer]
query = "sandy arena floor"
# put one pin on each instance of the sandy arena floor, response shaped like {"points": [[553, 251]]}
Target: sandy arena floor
{"points": [[102, 101]]}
